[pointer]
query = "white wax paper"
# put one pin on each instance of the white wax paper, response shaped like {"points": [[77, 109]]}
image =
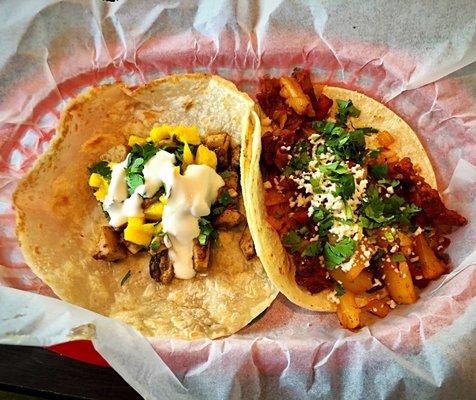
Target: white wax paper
{"points": [[417, 57]]}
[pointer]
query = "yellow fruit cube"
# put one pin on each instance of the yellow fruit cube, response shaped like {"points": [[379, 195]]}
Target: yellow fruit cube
{"points": [[137, 236], [133, 139], [96, 180], [159, 133], [206, 157], [101, 193], [187, 134], [154, 211], [135, 222], [187, 156], [158, 228]]}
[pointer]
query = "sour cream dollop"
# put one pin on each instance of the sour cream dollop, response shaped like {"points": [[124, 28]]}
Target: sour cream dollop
{"points": [[189, 197]]}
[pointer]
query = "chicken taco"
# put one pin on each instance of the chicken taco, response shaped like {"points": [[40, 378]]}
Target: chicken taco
{"points": [[341, 201], [135, 211]]}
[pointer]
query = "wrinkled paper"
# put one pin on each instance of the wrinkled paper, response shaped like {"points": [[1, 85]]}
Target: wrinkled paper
{"points": [[416, 57]]}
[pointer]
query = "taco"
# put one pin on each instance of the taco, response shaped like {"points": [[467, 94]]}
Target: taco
{"points": [[135, 211], [341, 201]]}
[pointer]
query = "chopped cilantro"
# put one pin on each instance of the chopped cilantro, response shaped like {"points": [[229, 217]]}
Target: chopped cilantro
{"points": [[340, 291], [346, 145], [373, 154], [154, 246], [133, 181], [126, 277], [389, 236], [225, 174], [339, 252], [320, 150], [376, 259], [102, 168], [292, 239], [225, 198], [346, 109], [379, 171], [398, 257], [349, 215], [315, 183], [345, 185], [146, 151], [207, 231], [324, 220], [300, 158], [336, 167], [313, 250], [217, 210]]}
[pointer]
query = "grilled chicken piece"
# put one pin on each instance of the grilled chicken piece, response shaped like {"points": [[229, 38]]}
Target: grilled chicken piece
{"points": [[231, 180], [246, 244], [160, 267], [132, 247], [115, 154], [235, 156], [229, 219], [220, 143], [110, 246], [201, 256]]}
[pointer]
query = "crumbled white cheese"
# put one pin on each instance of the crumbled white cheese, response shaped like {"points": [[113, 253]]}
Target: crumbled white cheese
{"points": [[267, 185], [418, 231], [394, 248], [332, 297], [392, 303], [414, 259], [419, 277]]}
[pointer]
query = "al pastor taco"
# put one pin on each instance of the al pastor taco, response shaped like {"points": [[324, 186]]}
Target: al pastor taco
{"points": [[341, 201]]}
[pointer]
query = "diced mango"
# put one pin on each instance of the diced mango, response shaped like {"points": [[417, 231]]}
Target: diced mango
{"points": [[187, 134], [187, 156], [159, 133], [101, 193], [154, 211], [206, 157], [133, 139], [98, 181], [158, 228], [137, 232]]}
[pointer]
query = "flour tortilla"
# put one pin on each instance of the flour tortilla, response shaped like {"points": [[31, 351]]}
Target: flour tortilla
{"points": [[59, 220], [276, 261]]}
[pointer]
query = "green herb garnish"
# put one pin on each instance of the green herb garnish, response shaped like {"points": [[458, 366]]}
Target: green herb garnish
{"points": [[207, 231], [225, 198], [126, 277], [379, 171], [398, 257], [324, 219], [340, 291], [346, 109], [292, 239], [313, 250], [337, 253]]}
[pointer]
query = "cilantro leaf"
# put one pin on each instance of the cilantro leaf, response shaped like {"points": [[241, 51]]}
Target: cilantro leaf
{"points": [[125, 277], [207, 231], [102, 168], [340, 291], [292, 239], [225, 198], [379, 171], [345, 185], [336, 168], [324, 219], [133, 181], [346, 109], [339, 252], [313, 250], [398, 257], [373, 154], [154, 246], [300, 158]]}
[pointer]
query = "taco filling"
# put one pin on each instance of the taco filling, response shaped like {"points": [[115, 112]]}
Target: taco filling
{"points": [[356, 219], [168, 194]]}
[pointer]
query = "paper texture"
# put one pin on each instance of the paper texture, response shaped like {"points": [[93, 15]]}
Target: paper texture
{"points": [[416, 57]]}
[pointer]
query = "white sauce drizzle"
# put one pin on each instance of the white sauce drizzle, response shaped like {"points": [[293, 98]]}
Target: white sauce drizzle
{"points": [[189, 198]]}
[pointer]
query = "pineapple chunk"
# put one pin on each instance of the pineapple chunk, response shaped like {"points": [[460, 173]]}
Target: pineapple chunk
{"points": [[137, 232], [187, 156], [206, 156], [133, 139], [159, 133], [184, 134], [154, 211], [98, 181]]}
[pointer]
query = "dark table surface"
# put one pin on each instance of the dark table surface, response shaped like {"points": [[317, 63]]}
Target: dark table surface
{"points": [[32, 373]]}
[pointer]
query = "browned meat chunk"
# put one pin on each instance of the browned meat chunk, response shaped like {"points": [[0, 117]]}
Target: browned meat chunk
{"points": [[231, 180], [160, 267], [235, 156], [229, 219], [110, 246], [220, 143], [201, 256], [132, 247], [115, 154], [246, 244]]}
